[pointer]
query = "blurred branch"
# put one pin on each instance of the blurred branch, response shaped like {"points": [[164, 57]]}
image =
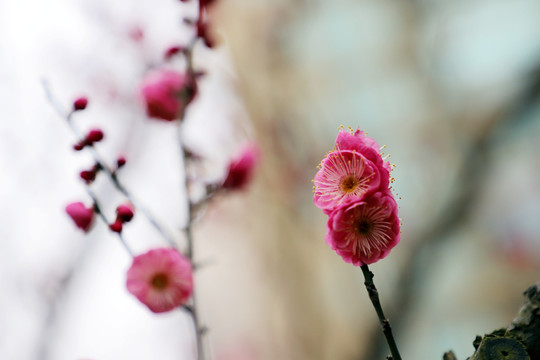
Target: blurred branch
{"points": [[475, 163], [200, 330], [53, 301]]}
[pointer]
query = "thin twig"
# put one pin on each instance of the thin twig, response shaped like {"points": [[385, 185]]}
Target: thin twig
{"points": [[190, 253], [103, 167], [97, 209], [374, 297]]}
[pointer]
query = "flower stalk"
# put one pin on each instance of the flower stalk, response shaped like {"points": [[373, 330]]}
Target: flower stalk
{"points": [[385, 323]]}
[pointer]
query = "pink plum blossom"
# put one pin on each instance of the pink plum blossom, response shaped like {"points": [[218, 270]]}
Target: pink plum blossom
{"points": [[368, 147], [364, 232], [344, 176], [161, 279], [82, 216], [241, 168], [166, 93]]}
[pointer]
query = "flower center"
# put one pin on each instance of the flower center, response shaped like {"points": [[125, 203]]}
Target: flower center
{"points": [[349, 184], [160, 281], [364, 227]]}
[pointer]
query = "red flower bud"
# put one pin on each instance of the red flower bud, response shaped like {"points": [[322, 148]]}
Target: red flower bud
{"points": [[121, 161], [81, 215], [80, 104], [173, 50], [116, 226], [93, 136], [79, 146], [166, 93], [241, 168], [124, 213], [88, 176]]}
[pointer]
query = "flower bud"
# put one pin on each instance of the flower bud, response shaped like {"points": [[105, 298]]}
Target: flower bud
{"points": [[116, 226], [88, 176], [166, 93], [121, 161], [124, 213], [94, 135], [79, 146], [173, 50], [241, 168], [80, 103], [81, 215]]}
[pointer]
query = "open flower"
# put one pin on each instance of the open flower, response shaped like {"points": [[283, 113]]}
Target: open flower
{"points": [[358, 141], [364, 232], [166, 93], [344, 176], [161, 279]]}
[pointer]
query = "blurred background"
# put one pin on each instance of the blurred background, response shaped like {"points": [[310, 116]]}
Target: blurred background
{"points": [[450, 87]]}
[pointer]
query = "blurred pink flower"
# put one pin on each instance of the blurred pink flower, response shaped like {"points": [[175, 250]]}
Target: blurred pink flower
{"points": [[166, 93], [161, 279], [344, 176], [81, 215], [364, 232], [241, 168]]}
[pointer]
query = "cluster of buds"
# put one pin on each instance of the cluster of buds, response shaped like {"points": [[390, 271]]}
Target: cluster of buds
{"points": [[124, 214], [81, 215], [162, 278]]}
